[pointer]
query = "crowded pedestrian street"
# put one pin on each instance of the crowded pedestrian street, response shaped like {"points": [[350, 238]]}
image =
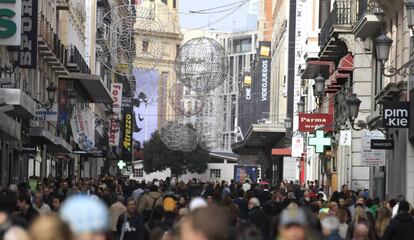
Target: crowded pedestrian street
{"points": [[206, 120]]}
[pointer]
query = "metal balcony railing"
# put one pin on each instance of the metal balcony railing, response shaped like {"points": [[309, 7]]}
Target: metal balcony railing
{"points": [[368, 7], [76, 58], [341, 14], [51, 39]]}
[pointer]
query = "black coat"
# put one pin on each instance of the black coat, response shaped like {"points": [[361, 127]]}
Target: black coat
{"points": [[259, 218], [135, 229], [401, 227]]}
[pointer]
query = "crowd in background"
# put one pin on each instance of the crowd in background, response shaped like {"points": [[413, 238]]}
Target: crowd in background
{"points": [[116, 208]]}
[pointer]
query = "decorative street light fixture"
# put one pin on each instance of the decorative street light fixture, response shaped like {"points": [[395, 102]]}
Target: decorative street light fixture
{"points": [[383, 44], [319, 85], [288, 125], [301, 106], [352, 104], [51, 92]]}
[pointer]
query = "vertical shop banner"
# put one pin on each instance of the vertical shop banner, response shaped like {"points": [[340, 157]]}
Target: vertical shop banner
{"points": [[297, 146], [114, 132], [25, 56], [127, 142], [82, 124], [245, 106], [262, 81], [146, 104]]}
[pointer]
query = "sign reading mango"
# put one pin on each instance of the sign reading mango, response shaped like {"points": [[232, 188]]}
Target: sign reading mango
{"points": [[10, 22]]}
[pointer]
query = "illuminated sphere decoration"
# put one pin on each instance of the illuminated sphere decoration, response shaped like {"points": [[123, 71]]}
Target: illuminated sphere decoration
{"points": [[201, 64], [178, 137], [185, 102], [121, 29]]}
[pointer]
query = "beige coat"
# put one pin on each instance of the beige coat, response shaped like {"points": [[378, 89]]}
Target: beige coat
{"points": [[147, 201], [116, 210]]}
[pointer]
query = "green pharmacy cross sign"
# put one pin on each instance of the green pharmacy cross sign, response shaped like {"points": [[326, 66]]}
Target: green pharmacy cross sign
{"points": [[121, 164], [319, 141]]}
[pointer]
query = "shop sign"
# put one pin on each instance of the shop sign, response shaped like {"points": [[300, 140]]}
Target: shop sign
{"points": [[382, 144], [396, 114], [297, 146], [116, 94], [26, 55], [10, 22], [309, 121], [44, 114], [319, 141], [369, 156], [345, 138], [83, 128], [29, 148], [127, 143]]}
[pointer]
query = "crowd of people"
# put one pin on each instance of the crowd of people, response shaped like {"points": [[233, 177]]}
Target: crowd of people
{"points": [[113, 208]]}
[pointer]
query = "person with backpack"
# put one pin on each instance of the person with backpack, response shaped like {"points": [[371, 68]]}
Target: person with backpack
{"points": [[130, 225], [149, 200]]}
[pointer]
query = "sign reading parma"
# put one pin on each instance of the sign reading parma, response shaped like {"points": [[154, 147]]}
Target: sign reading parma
{"points": [[396, 114], [10, 22], [309, 121], [26, 54]]}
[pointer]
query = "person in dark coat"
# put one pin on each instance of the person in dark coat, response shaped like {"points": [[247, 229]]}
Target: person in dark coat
{"points": [[242, 204], [258, 217], [402, 226], [133, 228], [26, 210]]}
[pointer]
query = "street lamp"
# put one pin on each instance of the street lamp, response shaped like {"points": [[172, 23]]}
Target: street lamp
{"points": [[352, 108], [382, 46], [319, 85], [51, 92], [301, 106]]}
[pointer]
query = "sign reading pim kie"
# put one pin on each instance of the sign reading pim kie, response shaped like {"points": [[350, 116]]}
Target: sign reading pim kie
{"points": [[309, 121]]}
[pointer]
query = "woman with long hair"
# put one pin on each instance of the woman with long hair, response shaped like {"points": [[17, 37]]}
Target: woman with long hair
{"points": [[383, 220]]}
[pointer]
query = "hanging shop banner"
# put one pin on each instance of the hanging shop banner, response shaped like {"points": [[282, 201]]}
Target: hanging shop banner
{"points": [[114, 130], [116, 94], [82, 123], [309, 121], [297, 146], [396, 114], [127, 143], [145, 102], [10, 22], [371, 157], [345, 138], [262, 89], [25, 56], [246, 103]]}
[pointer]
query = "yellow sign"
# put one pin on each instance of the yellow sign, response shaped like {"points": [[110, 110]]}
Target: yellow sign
{"points": [[265, 51], [247, 80], [122, 68]]}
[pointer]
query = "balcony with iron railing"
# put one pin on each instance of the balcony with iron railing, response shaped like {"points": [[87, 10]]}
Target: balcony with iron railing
{"points": [[369, 18], [50, 47], [339, 21], [76, 62]]}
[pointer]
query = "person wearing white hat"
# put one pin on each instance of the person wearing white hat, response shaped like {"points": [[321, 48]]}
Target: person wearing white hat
{"points": [[197, 203]]}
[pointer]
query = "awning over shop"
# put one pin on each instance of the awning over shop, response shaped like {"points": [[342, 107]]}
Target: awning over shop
{"points": [[61, 146], [259, 136], [9, 128], [93, 85], [24, 105], [224, 155], [313, 68], [41, 135], [282, 151]]}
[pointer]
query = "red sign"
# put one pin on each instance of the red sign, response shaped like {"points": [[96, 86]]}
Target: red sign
{"points": [[309, 121]]}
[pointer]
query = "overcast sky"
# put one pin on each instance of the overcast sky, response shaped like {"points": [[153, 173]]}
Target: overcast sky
{"points": [[238, 21]]}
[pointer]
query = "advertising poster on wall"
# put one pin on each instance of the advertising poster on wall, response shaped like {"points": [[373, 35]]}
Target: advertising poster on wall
{"points": [[371, 157], [243, 173], [145, 104]]}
